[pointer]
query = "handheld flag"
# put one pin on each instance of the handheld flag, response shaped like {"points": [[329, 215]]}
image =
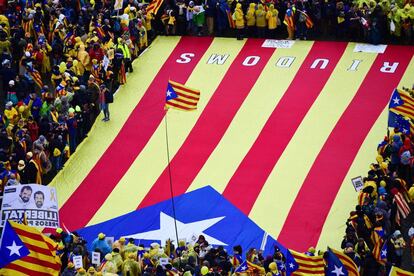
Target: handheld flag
{"points": [[154, 6], [308, 265], [395, 271], [291, 265], [397, 120], [181, 97], [402, 103], [289, 19], [242, 267], [335, 266], [349, 264], [308, 20], [380, 251], [250, 268], [24, 250], [232, 24]]}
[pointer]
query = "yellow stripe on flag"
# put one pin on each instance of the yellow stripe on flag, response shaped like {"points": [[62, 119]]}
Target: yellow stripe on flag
{"points": [[334, 226], [302, 150], [35, 267], [147, 167], [395, 271], [101, 136], [249, 120]]}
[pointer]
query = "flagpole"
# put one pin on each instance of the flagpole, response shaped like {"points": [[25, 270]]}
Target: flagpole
{"points": [[170, 178]]}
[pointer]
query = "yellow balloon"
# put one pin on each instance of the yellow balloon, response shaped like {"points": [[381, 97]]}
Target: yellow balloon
{"points": [[204, 270], [62, 67]]}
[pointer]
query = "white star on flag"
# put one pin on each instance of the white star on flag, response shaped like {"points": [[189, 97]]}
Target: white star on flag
{"points": [[14, 249], [169, 93], [384, 253], [396, 101], [185, 230], [291, 265], [243, 267], [338, 271]]}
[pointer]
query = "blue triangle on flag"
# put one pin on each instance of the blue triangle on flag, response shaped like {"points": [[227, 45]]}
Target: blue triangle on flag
{"points": [[200, 212]]}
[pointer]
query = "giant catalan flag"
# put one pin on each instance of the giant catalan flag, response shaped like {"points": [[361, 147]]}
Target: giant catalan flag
{"points": [[279, 132], [25, 251]]}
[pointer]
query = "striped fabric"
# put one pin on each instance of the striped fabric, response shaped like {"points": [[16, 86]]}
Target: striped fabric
{"points": [[42, 259], [403, 209], [308, 265], [154, 6], [37, 78], [264, 134]]}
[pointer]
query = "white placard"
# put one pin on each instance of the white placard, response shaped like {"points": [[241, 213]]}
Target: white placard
{"points": [[357, 183], [370, 48], [105, 62], [96, 258], [110, 240], [36, 202], [77, 261], [275, 43], [163, 261], [118, 5]]}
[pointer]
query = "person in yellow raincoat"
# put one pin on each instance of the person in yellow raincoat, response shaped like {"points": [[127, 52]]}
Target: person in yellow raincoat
{"points": [[45, 49], [271, 17], [251, 20], [260, 20], [84, 61], [238, 17]]}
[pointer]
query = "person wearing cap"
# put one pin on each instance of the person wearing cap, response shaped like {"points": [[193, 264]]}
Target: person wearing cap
{"points": [[8, 74], [21, 165], [101, 244], [11, 93], [33, 171]]}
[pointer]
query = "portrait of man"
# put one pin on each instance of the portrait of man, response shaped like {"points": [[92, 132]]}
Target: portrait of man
{"points": [[39, 199], [24, 196]]}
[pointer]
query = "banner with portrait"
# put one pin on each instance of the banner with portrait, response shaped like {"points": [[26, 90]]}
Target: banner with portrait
{"points": [[34, 203]]}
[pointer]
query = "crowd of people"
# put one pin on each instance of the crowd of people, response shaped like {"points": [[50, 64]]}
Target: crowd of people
{"points": [[59, 67], [381, 220]]}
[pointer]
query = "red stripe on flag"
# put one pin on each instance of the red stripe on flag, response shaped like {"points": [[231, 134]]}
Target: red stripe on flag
{"points": [[281, 126], [42, 263], [26, 271], [180, 106], [219, 113], [148, 114], [313, 202]]}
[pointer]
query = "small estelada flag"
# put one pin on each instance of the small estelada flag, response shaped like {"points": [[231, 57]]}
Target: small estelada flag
{"points": [[181, 97]]}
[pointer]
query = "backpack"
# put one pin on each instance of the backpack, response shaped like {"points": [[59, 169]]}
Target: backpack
{"points": [[117, 26]]}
